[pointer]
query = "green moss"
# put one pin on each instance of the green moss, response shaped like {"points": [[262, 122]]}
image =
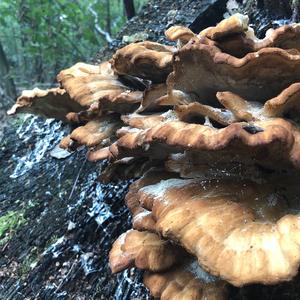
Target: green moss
{"points": [[136, 37], [29, 263], [51, 241], [9, 223], [18, 120]]}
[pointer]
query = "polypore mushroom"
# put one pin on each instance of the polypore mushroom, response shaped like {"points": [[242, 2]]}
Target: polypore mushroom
{"points": [[99, 154], [227, 119], [147, 60], [269, 141], [147, 251], [204, 70], [193, 110], [236, 23], [233, 36], [184, 282], [51, 103], [180, 34], [286, 103], [285, 37], [89, 84], [152, 97], [231, 228], [144, 250], [96, 131], [142, 218]]}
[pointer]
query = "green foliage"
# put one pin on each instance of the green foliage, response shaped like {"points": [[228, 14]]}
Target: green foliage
{"points": [[9, 223], [40, 37]]}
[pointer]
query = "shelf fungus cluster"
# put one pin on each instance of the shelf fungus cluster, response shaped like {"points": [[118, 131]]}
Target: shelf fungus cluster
{"points": [[209, 128]]}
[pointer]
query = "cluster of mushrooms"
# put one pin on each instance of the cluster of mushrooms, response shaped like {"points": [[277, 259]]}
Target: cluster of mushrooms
{"points": [[210, 130]]}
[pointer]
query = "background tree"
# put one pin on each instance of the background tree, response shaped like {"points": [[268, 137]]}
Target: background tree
{"points": [[7, 83], [40, 37], [129, 8]]}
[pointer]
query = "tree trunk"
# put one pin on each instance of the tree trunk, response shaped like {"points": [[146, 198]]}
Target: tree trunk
{"points": [[5, 79], [108, 23], [280, 8], [285, 9], [129, 8]]}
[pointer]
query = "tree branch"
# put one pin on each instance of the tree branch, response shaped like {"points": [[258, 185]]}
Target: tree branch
{"points": [[98, 28]]}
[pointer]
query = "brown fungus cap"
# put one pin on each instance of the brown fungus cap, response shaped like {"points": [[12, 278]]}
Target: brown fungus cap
{"points": [[204, 70], [140, 121], [235, 24], [181, 284], [97, 131], [179, 33], [142, 249], [151, 98], [190, 112], [269, 141], [287, 103], [52, 103], [89, 84], [220, 109], [67, 143], [233, 235], [99, 154], [147, 60], [142, 219], [284, 37]]}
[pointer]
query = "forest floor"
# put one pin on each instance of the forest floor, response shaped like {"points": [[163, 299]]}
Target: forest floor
{"points": [[57, 223]]}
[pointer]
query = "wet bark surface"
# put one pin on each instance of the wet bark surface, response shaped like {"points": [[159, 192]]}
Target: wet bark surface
{"points": [[60, 251], [68, 220]]}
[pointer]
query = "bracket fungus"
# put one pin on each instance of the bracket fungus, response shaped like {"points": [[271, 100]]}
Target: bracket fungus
{"points": [[89, 84], [212, 128], [179, 283], [97, 131], [229, 227], [51, 103], [146, 60], [143, 249]]}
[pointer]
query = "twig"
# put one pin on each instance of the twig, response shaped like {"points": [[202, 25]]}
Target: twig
{"points": [[98, 28], [76, 179]]}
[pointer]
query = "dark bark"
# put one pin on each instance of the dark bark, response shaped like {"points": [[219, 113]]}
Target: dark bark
{"points": [[280, 8], [39, 68], [5, 79], [275, 8], [129, 8], [296, 9], [266, 14]]}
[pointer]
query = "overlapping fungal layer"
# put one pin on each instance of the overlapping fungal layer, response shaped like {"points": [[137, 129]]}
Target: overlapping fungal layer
{"points": [[169, 273], [232, 229], [51, 103], [212, 126]]}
